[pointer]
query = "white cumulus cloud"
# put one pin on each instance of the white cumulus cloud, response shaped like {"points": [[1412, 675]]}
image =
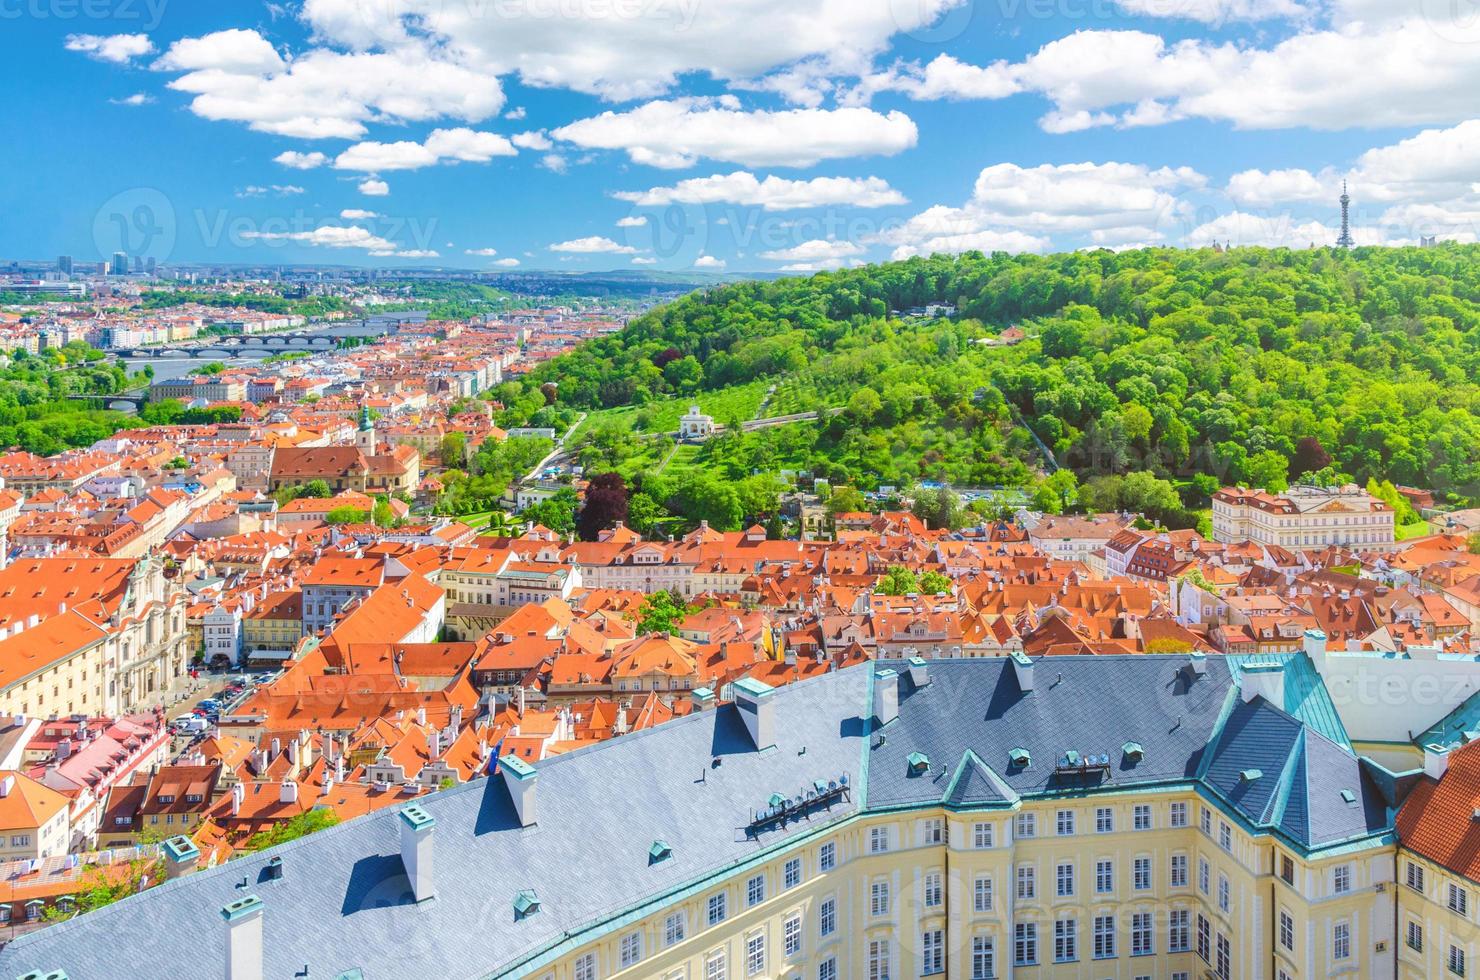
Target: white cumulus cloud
{"points": [[239, 76], [300, 161], [679, 132], [772, 194], [328, 236], [117, 48], [1015, 208], [624, 51], [592, 245]]}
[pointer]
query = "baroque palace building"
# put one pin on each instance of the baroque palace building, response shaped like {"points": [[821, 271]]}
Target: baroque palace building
{"points": [[1167, 816], [90, 636]]}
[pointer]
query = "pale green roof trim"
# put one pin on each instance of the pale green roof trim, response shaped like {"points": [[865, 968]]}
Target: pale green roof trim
{"points": [[520, 769], [1306, 697], [752, 687]]}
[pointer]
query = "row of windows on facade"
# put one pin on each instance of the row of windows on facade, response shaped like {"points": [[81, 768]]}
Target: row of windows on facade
{"points": [[1215, 949], [631, 947], [1456, 899], [1455, 957]]}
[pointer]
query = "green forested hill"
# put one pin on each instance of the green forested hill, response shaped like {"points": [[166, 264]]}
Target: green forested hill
{"points": [[1189, 364]]}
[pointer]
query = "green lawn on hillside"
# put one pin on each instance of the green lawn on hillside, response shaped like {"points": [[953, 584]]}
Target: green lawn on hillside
{"points": [[1405, 531]]}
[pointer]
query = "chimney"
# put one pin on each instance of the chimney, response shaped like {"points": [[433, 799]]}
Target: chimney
{"points": [[1435, 760], [181, 856], [243, 938], [1198, 661], [288, 792], [919, 672], [1314, 644], [1022, 666], [519, 777], [6, 785], [416, 850], [1266, 680], [886, 696], [753, 700], [702, 699]]}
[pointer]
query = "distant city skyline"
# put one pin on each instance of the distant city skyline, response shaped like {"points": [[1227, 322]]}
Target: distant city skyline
{"points": [[749, 136]]}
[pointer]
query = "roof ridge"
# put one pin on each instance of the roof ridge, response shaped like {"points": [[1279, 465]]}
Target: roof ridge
{"points": [[1281, 799]]}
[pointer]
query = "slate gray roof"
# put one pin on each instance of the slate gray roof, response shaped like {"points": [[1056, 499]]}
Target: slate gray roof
{"points": [[1302, 775], [343, 901], [1090, 705], [694, 783]]}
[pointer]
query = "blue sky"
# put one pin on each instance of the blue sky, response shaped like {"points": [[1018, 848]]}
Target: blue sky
{"points": [[737, 135]]}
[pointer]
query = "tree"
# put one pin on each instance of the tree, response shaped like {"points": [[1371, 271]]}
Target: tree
{"points": [[643, 513], [1403, 512], [453, 450], [556, 512], [1474, 544], [846, 500], [606, 505], [102, 885], [1145, 493], [318, 489], [383, 514], [685, 374], [1136, 421], [1057, 493], [1267, 469], [308, 822], [898, 580], [1310, 457], [935, 583], [941, 508], [864, 405], [703, 496], [348, 514], [760, 495], [662, 612]]}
